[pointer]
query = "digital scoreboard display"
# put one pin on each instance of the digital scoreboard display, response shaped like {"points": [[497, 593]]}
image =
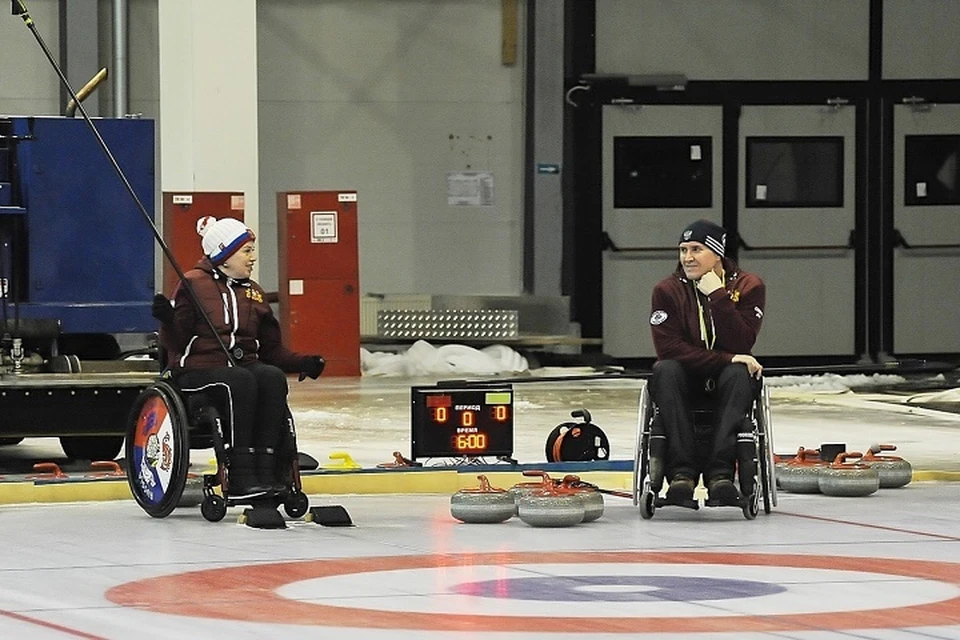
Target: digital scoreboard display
{"points": [[458, 422]]}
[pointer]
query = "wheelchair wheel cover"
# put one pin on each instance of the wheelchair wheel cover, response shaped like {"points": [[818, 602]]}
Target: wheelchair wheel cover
{"points": [[158, 449]]}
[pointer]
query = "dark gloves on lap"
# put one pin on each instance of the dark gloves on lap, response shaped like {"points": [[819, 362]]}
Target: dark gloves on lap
{"points": [[161, 309], [311, 367]]}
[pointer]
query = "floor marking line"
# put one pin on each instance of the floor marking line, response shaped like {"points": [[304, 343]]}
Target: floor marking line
{"points": [[236, 588], [939, 536], [49, 625]]}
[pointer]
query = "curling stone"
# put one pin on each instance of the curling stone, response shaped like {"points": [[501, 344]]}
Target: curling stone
{"points": [[894, 471], [551, 507], [849, 479], [522, 489], [482, 505], [591, 498], [802, 473]]}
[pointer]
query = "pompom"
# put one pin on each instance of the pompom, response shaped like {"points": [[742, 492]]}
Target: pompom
{"points": [[204, 224]]}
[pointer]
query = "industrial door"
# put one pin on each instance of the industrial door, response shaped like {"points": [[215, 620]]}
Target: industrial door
{"points": [[926, 219], [661, 171], [796, 222]]}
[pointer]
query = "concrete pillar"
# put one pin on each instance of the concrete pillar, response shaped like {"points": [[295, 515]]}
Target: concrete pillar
{"points": [[208, 98], [545, 123]]}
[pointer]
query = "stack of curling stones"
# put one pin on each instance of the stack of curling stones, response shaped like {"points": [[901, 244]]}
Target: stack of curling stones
{"points": [[849, 479], [847, 473], [482, 505]]}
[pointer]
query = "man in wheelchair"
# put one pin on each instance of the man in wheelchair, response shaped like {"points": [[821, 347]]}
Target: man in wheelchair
{"points": [[251, 382], [705, 319]]}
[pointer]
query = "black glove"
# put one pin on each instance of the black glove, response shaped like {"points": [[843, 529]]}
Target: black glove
{"points": [[311, 367], [161, 309]]}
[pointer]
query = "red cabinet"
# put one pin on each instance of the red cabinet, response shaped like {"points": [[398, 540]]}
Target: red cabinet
{"points": [[319, 272], [181, 211]]}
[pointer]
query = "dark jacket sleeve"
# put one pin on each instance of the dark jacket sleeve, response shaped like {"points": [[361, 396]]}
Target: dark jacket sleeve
{"points": [[672, 342], [737, 324], [174, 337], [272, 350]]}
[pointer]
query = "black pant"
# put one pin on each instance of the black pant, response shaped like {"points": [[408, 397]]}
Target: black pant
{"points": [[676, 392], [254, 396]]}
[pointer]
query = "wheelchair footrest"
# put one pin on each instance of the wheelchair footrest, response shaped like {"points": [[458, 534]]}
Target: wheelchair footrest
{"points": [[740, 502], [688, 504]]}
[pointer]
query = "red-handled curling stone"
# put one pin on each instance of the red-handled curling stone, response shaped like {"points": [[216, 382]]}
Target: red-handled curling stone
{"points": [[894, 471], [849, 479], [552, 506], [526, 488], [591, 498], [801, 474], [482, 505]]}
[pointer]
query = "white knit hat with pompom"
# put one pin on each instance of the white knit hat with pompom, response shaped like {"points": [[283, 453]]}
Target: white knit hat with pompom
{"points": [[222, 238]]}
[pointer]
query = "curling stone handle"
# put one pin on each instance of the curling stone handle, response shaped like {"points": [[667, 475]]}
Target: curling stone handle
{"points": [[846, 455]]}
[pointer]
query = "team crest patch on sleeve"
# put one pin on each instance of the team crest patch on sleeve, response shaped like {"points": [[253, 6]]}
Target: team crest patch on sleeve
{"points": [[759, 312], [658, 317]]}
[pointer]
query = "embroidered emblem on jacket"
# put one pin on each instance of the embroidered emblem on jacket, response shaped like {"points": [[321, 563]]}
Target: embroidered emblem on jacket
{"points": [[255, 295], [658, 317]]}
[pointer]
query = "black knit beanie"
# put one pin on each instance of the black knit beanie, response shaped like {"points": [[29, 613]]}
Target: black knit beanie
{"points": [[705, 232]]}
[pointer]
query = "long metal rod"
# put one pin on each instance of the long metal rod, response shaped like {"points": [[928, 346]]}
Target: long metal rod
{"points": [[120, 48], [19, 8]]}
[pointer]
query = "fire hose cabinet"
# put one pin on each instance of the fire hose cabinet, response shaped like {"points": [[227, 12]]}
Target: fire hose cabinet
{"points": [[181, 211], [319, 275]]}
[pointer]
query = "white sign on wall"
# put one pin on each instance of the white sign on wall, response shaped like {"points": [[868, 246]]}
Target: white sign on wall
{"points": [[470, 188], [323, 226]]}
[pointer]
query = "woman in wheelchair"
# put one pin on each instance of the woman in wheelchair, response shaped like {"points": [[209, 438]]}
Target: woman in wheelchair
{"points": [[705, 319], [252, 384]]}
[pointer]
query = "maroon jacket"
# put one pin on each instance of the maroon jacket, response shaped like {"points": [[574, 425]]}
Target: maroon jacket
{"points": [[241, 315], [736, 312]]}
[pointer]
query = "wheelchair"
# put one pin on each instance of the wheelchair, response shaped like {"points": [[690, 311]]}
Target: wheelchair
{"points": [[164, 425], [755, 463]]}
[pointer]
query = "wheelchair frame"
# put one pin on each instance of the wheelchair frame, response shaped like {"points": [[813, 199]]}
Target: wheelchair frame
{"points": [[648, 477], [162, 430]]}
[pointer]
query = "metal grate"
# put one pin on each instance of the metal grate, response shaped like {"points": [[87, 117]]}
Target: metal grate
{"points": [[456, 324]]}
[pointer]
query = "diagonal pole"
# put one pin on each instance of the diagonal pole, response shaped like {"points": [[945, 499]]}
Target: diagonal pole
{"points": [[20, 9]]}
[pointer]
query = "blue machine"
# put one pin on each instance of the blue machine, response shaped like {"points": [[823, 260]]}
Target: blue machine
{"points": [[74, 247]]}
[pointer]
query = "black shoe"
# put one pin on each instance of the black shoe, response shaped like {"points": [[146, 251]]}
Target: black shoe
{"points": [[265, 462], [242, 481], [724, 492], [680, 490]]}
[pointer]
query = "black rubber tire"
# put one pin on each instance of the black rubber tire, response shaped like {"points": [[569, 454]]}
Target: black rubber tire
{"points": [[296, 504], [765, 473], [647, 506], [213, 508], [160, 401], [751, 506], [91, 447]]}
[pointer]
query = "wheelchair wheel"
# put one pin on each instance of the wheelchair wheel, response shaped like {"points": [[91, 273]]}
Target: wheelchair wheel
{"points": [[213, 508], [157, 449], [751, 506], [643, 444], [296, 504], [647, 503], [765, 452]]}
